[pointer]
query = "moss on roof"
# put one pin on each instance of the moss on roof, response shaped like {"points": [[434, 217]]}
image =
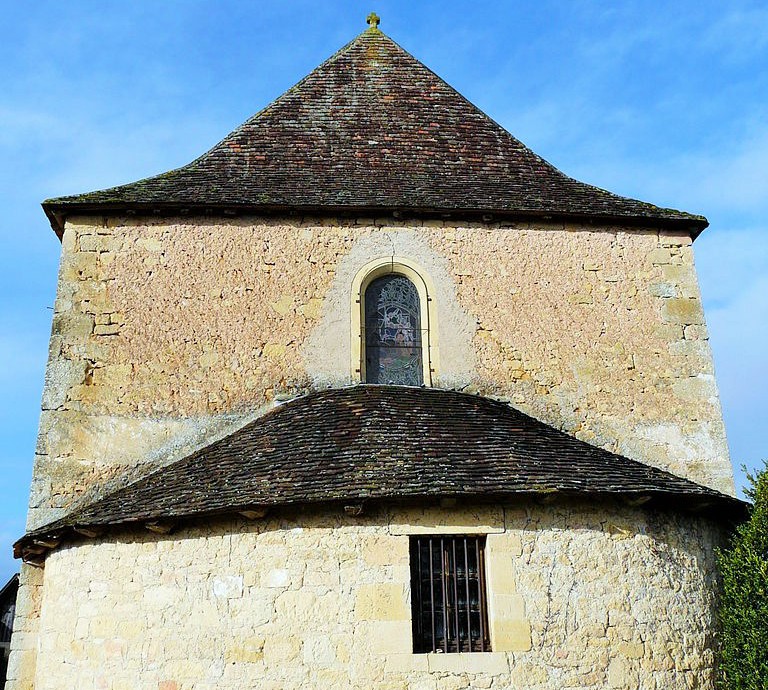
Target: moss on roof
{"points": [[372, 128]]}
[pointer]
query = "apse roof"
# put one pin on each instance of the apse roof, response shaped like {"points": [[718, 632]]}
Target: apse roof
{"points": [[371, 443], [372, 130]]}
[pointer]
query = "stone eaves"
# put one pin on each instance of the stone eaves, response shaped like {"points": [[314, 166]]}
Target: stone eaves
{"points": [[373, 131]]}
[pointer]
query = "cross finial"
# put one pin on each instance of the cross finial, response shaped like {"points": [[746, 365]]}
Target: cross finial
{"points": [[373, 20]]}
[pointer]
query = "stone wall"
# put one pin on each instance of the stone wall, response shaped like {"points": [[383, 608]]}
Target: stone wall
{"points": [[580, 596], [169, 333], [23, 659]]}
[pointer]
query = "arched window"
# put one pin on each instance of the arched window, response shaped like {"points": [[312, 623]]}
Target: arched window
{"points": [[394, 324], [392, 335]]}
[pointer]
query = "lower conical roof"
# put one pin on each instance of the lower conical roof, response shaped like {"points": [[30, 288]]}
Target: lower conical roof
{"points": [[374, 443]]}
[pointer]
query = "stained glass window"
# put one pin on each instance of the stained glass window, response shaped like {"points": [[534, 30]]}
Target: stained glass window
{"points": [[393, 332]]}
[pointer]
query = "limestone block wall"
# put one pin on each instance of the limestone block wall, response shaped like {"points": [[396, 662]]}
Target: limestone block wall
{"points": [[22, 663], [169, 332], [580, 596]]}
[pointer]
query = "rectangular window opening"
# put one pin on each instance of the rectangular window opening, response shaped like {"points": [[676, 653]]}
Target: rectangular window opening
{"points": [[448, 594]]}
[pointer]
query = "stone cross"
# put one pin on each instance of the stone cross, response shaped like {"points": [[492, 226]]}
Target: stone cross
{"points": [[373, 19]]}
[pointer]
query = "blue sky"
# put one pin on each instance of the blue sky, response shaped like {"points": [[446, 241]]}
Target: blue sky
{"points": [[662, 101]]}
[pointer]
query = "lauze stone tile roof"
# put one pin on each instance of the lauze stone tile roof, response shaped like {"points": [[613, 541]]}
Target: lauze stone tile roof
{"points": [[373, 130], [373, 443]]}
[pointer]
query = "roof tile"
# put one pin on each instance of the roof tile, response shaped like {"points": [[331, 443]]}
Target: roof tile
{"points": [[372, 128], [371, 442]]}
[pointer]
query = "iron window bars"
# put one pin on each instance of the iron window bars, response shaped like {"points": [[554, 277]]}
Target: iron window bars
{"points": [[448, 594]]}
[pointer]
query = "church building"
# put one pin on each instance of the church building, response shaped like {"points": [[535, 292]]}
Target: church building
{"points": [[371, 396]]}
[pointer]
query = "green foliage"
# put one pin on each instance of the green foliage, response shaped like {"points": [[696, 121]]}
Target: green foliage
{"points": [[744, 605]]}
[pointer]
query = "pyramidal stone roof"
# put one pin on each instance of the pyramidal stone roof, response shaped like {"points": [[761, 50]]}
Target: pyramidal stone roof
{"points": [[372, 130], [371, 443]]}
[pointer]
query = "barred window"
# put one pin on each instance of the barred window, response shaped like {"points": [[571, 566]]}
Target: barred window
{"points": [[393, 332], [448, 595]]}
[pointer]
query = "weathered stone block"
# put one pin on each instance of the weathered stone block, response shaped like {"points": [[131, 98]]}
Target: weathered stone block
{"points": [[477, 520], [296, 604], [507, 606], [701, 388], [511, 635], [283, 305], [151, 244], [106, 329], [492, 663], [526, 675], [313, 309], [117, 375], [673, 238], [678, 275], [409, 663], [72, 325], [633, 650], [319, 652], [281, 649], [663, 290], [659, 256], [228, 586], [583, 295], [695, 332], [277, 577], [499, 565], [80, 266], [386, 551], [618, 674], [96, 243], [391, 637], [683, 311], [274, 351], [383, 602]]}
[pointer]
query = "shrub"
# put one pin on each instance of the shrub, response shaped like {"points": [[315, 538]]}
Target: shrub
{"points": [[744, 605]]}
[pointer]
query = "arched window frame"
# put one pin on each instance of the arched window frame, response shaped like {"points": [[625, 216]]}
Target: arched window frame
{"points": [[425, 289]]}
